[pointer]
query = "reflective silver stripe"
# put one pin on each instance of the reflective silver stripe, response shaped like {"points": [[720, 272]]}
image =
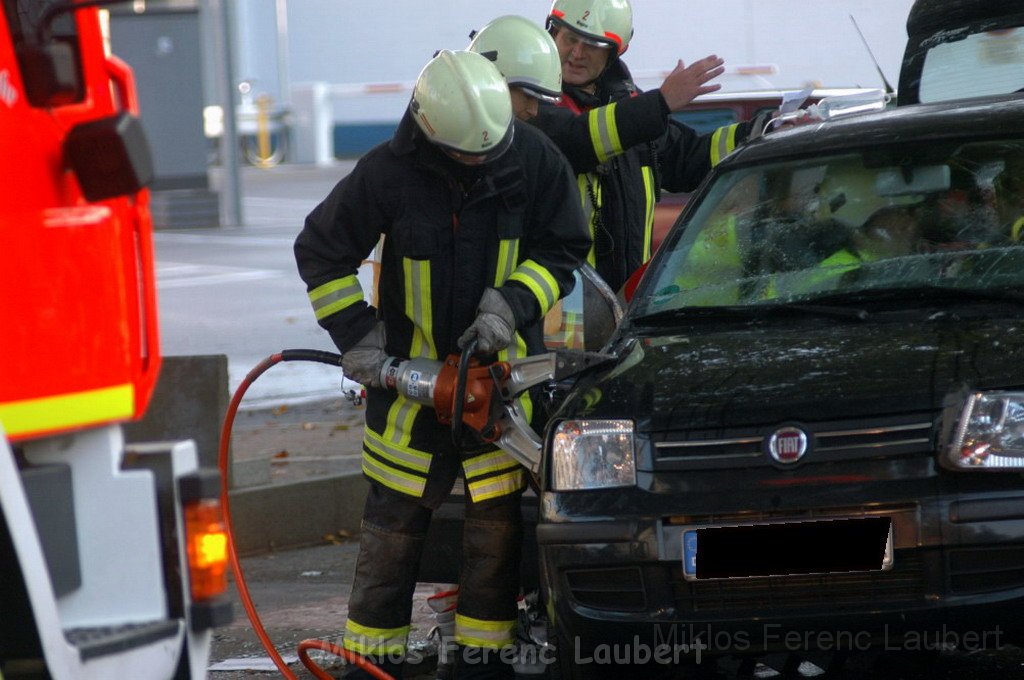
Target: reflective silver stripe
{"points": [[335, 295], [508, 253], [540, 282], [492, 487], [479, 633], [393, 479], [604, 133], [400, 454], [366, 640], [418, 307], [488, 462]]}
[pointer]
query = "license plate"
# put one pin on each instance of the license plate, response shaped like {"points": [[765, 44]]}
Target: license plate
{"points": [[787, 548]]}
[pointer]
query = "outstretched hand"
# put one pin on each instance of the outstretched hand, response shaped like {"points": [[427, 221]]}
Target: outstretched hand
{"points": [[686, 82]]}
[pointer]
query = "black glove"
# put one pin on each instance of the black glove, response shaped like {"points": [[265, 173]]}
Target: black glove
{"points": [[363, 361], [494, 324]]}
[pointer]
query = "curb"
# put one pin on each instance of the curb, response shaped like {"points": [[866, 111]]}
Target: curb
{"points": [[280, 516]]}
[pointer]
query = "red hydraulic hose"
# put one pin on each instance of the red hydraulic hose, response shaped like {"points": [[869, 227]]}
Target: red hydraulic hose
{"points": [[243, 588]]}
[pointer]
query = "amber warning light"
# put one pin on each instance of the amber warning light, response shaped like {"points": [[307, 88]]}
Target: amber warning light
{"points": [[207, 549]]}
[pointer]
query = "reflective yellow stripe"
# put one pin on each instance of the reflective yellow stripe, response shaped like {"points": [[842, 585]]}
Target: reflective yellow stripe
{"points": [[604, 133], [508, 253], [401, 416], [68, 410], [488, 462], [492, 487], [397, 453], [648, 174], [479, 633], [589, 210], [540, 282], [418, 307], [723, 141], [375, 641], [335, 295], [1017, 231], [403, 482]]}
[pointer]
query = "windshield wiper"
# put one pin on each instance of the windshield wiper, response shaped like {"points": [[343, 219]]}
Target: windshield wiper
{"points": [[755, 311]]}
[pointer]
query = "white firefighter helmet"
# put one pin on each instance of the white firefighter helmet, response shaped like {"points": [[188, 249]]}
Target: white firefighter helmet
{"points": [[600, 22], [524, 53], [461, 103], [849, 194]]}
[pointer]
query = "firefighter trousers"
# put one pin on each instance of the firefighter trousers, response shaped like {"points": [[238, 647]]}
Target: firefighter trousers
{"points": [[394, 530]]}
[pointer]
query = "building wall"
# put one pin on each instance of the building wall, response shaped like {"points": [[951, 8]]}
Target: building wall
{"points": [[349, 44]]}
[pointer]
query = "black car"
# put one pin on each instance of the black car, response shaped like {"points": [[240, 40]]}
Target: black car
{"points": [[810, 432]]}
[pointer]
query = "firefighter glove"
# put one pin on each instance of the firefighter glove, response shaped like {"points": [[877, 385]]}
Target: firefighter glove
{"points": [[363, 360], [494, 324]]}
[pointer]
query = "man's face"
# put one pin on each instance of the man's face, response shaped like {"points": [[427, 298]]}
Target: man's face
{"points": [[582, 62], [523, 105]]}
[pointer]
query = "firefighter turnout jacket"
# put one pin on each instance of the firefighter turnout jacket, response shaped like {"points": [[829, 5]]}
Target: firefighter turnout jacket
{"points": [[518, 229], [625, 148]]}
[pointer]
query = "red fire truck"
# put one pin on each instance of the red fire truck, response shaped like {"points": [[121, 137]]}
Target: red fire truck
{"points": [[113, 557]]}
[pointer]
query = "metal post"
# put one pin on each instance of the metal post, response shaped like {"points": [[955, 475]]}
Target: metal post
{"points": [[222, 20], [283, 84]]}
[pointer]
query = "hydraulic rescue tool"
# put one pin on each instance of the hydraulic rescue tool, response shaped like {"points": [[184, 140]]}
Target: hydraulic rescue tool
{"points": [[465, 393]]}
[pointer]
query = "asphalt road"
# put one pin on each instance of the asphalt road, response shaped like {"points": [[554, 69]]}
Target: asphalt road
{"points": [[236, 291]]}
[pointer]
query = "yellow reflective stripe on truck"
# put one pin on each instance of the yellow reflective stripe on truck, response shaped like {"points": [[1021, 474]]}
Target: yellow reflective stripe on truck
{"points": [[64, 411]]}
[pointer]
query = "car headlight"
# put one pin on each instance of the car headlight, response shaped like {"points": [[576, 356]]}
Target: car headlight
{"points": [[593, 454], [990, 433]]}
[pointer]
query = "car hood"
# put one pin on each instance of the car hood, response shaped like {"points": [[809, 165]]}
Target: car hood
{"points": [[816, 371]]}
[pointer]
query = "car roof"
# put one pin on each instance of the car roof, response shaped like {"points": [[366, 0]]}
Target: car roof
{"points": [[770, 95], [983, 118]]}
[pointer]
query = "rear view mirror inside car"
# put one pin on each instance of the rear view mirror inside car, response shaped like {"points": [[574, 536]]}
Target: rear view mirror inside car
{"points": [[912, 179]]}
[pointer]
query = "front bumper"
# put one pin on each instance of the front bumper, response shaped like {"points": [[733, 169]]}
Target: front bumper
{"points": [[957, 577]]}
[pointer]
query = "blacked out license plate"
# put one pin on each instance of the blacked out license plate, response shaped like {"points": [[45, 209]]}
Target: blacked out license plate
{"points": [[783, 548]]}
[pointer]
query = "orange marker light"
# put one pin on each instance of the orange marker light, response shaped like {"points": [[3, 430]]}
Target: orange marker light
{"points": [[207, 549]]}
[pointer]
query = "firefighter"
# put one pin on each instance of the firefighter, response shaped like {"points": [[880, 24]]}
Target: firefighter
{"points": [[621, 142], [528, 58], [481, 235]]}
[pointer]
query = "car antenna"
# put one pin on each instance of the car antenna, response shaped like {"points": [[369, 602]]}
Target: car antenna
{"points": [[888, 88]]}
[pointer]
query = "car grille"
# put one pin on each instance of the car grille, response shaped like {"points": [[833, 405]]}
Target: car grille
{"points": [[835, 440], [610, 589], [981, 570], [903, 584]]}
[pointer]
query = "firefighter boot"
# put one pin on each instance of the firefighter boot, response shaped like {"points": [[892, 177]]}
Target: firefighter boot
{"points": [[443, 605]]}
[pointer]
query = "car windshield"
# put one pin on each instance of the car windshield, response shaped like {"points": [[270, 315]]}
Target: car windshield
{"points": [[932, 216]]}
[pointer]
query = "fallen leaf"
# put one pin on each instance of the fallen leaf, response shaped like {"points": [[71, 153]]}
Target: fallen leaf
{"points": [[281, 454]]}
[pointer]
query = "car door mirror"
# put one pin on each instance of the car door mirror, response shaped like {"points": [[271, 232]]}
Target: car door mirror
{"points": [[586, 317], [110, 156]]}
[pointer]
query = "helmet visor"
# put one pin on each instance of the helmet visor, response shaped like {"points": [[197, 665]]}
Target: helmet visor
{"points": [[585, 38], [536, 93]]}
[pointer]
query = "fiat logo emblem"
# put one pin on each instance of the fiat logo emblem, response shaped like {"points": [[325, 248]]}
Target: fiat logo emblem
{"points": [[787, 444]]}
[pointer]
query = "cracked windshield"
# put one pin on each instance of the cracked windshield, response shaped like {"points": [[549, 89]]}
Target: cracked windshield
{"points": [[850, 224]]}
